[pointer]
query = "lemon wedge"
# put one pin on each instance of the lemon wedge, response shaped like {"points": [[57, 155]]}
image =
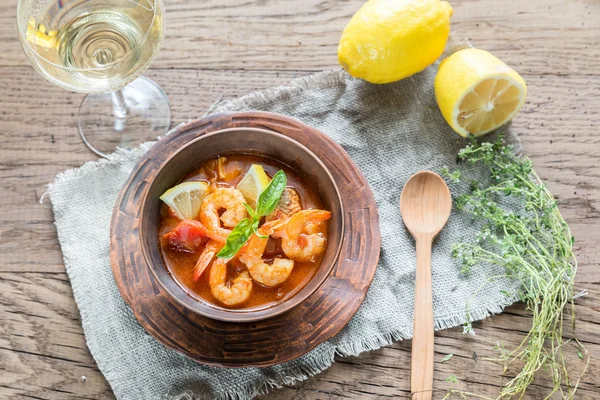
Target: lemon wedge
{"points": [[38, 34], [185, 199], [253, 184], [477, 93]]}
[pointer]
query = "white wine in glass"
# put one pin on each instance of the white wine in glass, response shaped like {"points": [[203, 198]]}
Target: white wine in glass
{"points": [[101, 47]]}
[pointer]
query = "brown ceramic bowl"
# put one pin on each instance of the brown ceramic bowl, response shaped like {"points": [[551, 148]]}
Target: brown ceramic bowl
{"points": [[239, 141]]}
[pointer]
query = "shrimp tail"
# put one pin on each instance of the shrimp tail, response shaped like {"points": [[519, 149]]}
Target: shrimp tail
{"points": [[202, 264], [269, 228], [317, 215], [211, 249]]}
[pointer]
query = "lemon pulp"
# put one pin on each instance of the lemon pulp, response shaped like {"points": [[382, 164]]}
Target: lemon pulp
{"points": [[489, 105], [185, 199], [253, 184], [477, 93]]}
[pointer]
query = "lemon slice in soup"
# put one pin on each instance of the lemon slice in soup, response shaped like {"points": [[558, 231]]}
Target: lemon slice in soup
{"points": [[185, 199], [253, 184]]}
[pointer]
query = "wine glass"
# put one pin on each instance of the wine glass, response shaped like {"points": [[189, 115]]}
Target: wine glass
{"points": [[101, 47]]}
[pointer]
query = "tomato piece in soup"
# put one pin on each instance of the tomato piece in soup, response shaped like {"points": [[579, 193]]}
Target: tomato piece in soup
{"points": [[187, 236]]}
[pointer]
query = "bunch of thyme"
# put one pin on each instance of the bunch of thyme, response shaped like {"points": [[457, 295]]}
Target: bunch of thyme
{"points": [[535, 247]]}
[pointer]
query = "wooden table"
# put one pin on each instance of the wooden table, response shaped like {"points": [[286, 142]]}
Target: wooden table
{"points": [[234, 47]]}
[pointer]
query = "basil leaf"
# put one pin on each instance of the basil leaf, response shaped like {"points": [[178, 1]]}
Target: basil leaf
{"points": [[261, 236], [236, 239], [255, 230], [269, 198], [251, 212]]}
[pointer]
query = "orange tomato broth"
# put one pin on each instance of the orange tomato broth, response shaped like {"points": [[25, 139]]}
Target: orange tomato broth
{"points": [[181, 265]]}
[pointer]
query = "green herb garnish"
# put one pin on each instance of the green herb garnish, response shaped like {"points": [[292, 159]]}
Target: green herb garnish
{"points": [[452, 379], [236, 239], [534, 246], [265, 205], [447, 357], [269, 198]]}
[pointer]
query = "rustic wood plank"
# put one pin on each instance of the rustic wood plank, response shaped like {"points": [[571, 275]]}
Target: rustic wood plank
{"points": [[539, 37], [45, 355], [218, 47], [384, 373]]}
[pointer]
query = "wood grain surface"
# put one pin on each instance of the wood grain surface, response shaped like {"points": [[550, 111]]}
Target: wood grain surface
{"points": [[232, 47]]}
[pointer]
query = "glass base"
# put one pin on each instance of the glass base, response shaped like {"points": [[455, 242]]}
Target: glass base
{"points": [[148, 116]]}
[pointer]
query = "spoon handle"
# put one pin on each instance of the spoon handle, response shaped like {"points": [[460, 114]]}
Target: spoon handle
{"points": [[421, 379]]}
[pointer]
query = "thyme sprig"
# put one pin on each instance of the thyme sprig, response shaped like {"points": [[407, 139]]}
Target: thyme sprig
{"points": [[533, 245]]}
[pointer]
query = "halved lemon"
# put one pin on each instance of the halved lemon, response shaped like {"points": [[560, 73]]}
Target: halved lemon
{"points": [[477, 93], [185, 199], [253, 184]]}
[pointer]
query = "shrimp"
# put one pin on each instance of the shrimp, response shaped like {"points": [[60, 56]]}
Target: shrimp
{"points": [[232, 201], [210, 250], [313, 227], [260, 271], [300, 246], [231, 294]]}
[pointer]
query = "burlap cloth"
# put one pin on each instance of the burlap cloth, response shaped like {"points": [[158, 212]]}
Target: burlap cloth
{"points": [[390, 131]]}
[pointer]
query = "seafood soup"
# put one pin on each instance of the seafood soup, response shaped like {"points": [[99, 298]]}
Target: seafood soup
{"points": [[242, 231]]}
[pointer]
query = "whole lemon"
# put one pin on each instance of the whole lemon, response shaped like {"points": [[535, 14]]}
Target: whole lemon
{"points": [[389, 40]]}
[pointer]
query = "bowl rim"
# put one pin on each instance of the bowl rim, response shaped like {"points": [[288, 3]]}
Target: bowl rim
{"points": [[241, 315]]}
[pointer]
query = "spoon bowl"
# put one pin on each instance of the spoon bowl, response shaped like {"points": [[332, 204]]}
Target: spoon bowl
{"points": [[425, 203]]}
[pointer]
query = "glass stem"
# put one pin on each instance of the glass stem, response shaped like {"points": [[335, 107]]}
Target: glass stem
{"points": [[119, 106]]}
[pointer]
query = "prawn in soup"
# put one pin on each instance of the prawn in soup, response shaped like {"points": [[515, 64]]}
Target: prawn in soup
{"points": [[242, 231]]}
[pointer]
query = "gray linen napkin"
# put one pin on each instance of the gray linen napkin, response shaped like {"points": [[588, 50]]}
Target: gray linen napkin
{"points": [[390, 131]]}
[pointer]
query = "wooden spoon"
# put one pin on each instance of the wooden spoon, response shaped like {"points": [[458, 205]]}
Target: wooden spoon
{"points": [[425, 205]]}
